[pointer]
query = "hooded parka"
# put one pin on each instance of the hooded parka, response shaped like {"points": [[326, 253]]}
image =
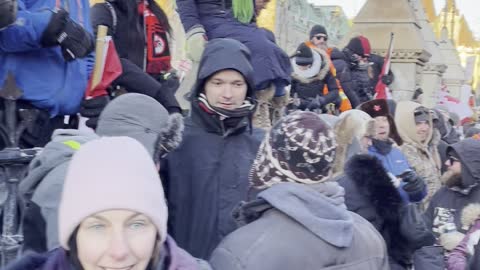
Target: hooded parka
{"points": [[207, 175], [423, 157]]}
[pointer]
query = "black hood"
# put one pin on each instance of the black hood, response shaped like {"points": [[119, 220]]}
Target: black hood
{"points": [[468, 151], [221, 54], [337, 54]]}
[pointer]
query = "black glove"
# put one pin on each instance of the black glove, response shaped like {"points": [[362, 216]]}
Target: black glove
{"points": [[92, 108], [414, 185], [170, 81], [316, 104], [8, 12], [387, 79], [75, 41]]}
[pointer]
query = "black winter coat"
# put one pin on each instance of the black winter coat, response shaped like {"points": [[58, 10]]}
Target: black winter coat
{"points": [[370, 193], [207, 175], [344, 76], [445, 209], [129, 38]]}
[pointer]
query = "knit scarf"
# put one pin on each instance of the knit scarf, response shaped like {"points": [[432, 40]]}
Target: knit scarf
{"points": [[231, 118], [383, 147], [158, 51]]}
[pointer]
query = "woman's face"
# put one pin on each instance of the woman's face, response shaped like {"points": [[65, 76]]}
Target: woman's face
{"points": [[116, 240]]}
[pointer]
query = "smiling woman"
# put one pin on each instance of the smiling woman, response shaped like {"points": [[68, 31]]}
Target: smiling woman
{"points": [[116, 239], [112, 214]]}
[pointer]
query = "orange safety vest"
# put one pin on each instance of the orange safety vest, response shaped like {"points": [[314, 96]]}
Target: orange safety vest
{"points": [[345, 104]]}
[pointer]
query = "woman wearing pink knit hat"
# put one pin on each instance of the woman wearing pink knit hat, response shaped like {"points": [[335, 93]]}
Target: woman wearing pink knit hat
{"points": [[112, 214]]}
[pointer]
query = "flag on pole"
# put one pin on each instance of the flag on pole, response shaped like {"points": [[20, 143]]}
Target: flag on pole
{"points": [[455, 105], [381, 89], [107, 66]]}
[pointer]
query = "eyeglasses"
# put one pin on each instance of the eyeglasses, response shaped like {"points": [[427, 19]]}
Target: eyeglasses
{"points": [[453, 159], [319, 37]]}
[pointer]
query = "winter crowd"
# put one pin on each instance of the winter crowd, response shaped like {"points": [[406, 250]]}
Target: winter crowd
{"points": [[282, 162]]}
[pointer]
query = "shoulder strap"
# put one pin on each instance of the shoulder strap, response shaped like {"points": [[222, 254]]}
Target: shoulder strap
{"points": [[114, 16]]}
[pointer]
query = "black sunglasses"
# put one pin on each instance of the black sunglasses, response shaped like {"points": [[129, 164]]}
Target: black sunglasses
{"points": [[453, 159], [319, 37]]}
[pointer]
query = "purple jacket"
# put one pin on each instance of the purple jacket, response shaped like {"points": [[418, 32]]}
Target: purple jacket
{"points": [[178, 259], [458, 258]]}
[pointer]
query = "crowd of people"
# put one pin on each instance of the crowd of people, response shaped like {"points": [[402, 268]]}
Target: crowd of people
{"points": [[282, 162]]}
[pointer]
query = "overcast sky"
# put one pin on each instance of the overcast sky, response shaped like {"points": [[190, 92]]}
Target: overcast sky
{"points": [[470, 8]]}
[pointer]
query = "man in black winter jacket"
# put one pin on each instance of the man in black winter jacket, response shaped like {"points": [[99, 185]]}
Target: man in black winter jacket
{"points": [[207, 175], [461, 188], [319, 39]]}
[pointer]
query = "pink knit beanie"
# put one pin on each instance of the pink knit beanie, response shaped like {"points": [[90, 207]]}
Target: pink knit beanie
{"points": [[111, 173]]}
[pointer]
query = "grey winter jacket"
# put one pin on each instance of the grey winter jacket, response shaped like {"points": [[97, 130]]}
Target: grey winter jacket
{"points": [[294, 226], [46, 174]]}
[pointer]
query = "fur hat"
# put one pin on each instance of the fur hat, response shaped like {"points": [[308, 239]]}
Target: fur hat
{"points": [[303, 55], [379, 107], [300, 148], [107, 174], [318, 29], [375, 107], [360, 45]]}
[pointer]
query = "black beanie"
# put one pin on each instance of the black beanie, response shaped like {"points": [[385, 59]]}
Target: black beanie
{"points": [[303, 55], [317, 29]]}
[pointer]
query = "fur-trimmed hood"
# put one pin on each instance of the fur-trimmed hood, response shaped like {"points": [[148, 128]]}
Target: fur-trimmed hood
{"points": [[349, 130], [321, 61]]}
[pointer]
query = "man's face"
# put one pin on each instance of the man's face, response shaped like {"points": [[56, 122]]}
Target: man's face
{"points": [[226, 89], [320, 41], [382, 128], [423, 130]]}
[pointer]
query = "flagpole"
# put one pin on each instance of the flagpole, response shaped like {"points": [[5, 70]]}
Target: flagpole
{"points": [[99, 56]]}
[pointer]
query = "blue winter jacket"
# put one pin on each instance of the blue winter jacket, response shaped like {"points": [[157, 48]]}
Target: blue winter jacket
{"points": [[394, 162], [46, 79]]}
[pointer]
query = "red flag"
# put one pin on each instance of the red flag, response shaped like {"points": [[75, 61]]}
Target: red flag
{"points": [[381, 89], [111, 69]]}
